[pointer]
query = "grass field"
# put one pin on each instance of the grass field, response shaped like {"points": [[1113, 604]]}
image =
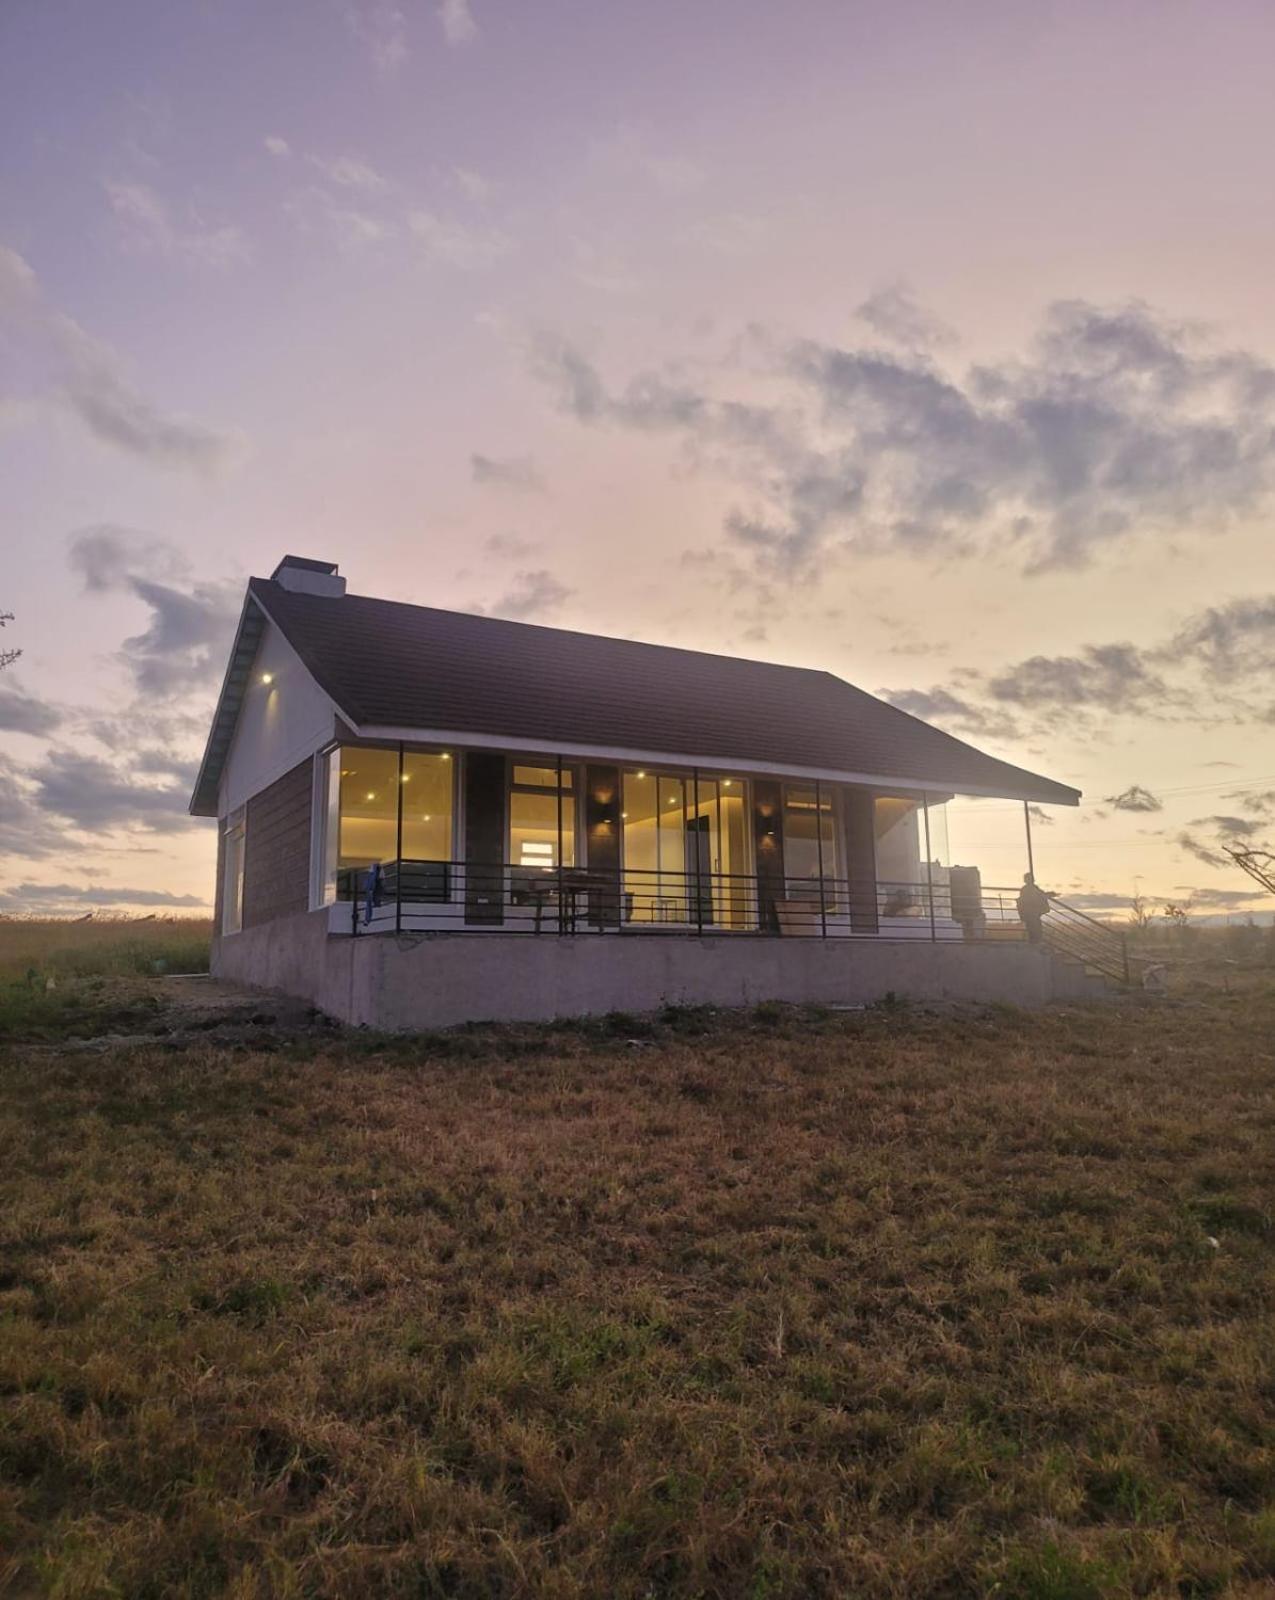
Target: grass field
{"points": [[889, 1303]]}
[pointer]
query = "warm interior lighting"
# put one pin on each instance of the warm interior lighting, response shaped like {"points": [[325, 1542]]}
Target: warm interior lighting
{"points": [[427, 818], [726, 782], [447, 755], [371, 794], [406, 778], [624, 816], [641, 774]]}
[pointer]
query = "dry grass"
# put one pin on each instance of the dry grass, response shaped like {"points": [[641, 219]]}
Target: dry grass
{"points": [[44, 962], [787, 1304]]}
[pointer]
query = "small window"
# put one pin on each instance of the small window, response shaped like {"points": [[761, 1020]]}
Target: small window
{"points": [[541, 813], [233, 833]]}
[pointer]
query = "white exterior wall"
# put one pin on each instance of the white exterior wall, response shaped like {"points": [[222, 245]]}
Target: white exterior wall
{"points": [[280, 723]]}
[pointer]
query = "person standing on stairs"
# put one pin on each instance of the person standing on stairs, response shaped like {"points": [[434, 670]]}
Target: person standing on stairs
{"points": [[1032, 904]]}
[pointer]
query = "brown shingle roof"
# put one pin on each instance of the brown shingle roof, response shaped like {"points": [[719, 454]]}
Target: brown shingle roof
{"points": [[387, 664]]}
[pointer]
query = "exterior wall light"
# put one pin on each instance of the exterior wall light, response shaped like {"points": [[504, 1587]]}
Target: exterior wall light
{"points": [[267, 677]]}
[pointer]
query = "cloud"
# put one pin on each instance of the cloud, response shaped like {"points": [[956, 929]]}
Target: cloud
{"points": [[1227, 827], [893, 313], [1202, 852], [26, 831], [951, 711], [1135, 798], [1215, 666], [149, 228], [628, 153], [381, 27], [36, 897], [1039, 815], [456, 244], [514, 472], [315, 210], [65, 366], [348, 172], [23, 713], [1113, 677], [1221, 899], [458, 25], [191, 624], [1231, 639], [1114, 425], [511, 546], [473, 184], [277, 146], [534, 594], [94, 794]]}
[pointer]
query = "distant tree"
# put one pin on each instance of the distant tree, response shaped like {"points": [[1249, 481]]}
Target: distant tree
{"points": [[7, 657], [1140, 913], [1178, 915]]}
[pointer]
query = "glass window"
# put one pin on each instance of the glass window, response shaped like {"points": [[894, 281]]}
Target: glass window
{"points": [[363, 811], [687, 850], [427, 806], [534, 818], [232, 873], [810, 835]]}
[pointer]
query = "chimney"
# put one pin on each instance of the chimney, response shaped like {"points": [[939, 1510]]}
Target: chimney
{"points": [[304, 576]]}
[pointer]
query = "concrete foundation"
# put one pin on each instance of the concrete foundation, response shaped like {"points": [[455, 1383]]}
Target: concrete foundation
{"points": [[420, 981]]}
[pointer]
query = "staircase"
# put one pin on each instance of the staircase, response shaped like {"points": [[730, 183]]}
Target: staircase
{"points": [[1101, 951]]}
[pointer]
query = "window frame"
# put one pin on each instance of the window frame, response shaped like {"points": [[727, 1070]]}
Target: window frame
{"points": [[234, 834]]}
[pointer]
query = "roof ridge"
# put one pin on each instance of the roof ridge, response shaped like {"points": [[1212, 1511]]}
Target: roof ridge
{"points": [[295, 596]]}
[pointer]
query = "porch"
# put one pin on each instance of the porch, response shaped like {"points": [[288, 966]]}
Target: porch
{"points": [[558, 846]]}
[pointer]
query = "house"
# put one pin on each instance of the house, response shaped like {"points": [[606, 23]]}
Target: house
{"points": [[426, 817]]}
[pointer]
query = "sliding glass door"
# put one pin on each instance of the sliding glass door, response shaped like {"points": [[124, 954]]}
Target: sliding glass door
{"points": [[686, 850]]}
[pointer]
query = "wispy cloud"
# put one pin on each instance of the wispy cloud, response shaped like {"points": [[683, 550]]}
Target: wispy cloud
{"points": [[456, 244], [519, 473], [457, 22], [277, 146], [190, 624], [349, 172], [894, 313], [31, 898], [533, 595], [147, 226], [1117, 424], [381, 27], [71, 369]]}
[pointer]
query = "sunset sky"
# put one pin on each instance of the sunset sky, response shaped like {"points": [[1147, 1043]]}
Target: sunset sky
{"points": [[932, 344]]}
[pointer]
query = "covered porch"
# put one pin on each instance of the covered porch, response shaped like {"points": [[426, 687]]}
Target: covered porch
{"points": [[418, 839]]}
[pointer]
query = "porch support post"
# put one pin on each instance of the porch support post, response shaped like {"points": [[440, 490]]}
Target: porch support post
{"points": [[398, 849], [823, 907], [699, 892], [562, 910], [929, 865], [1027, 823]]}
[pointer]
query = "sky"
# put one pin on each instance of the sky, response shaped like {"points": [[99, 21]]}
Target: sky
{"points": [[930, 344]]}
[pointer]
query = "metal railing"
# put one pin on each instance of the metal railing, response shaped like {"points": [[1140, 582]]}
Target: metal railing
{"points": [[471, 897]]}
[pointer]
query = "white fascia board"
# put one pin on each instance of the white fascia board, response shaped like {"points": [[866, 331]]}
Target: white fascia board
{"points": [[664, 758]]}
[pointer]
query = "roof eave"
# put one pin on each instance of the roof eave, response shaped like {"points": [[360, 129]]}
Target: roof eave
{"points": [[252, 621]]}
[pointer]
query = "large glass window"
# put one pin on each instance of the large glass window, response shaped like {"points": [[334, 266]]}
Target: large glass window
{"points": [[900, 874], [810, 838], [534, 818], [686, 850], [364, 791]]}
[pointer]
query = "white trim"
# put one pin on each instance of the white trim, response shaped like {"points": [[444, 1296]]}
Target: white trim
{"points": [[713, 764]]}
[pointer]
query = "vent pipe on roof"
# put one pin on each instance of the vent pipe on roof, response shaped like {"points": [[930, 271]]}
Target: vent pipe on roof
{"points": [[304, 576]]}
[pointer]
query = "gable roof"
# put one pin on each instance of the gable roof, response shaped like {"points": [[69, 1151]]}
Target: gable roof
{"points": [[388, 665]]}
